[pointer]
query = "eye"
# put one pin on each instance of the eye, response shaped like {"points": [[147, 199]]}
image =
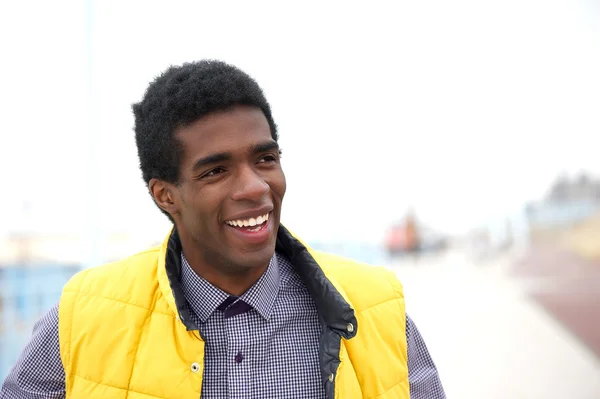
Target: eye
{"points": [[269, 158], [213, 172]]}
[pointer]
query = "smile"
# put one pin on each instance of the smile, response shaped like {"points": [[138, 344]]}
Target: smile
{"points": [[253, 224]]}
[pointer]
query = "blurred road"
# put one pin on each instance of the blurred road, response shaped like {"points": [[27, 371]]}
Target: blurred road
{"points": [[488, 338], [568, 287]]}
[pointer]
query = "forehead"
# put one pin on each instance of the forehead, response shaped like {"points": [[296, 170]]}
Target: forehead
{"points": [[235, 129]]}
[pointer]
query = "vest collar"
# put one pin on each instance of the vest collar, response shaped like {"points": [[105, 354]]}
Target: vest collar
{"points": [[333, 308]]}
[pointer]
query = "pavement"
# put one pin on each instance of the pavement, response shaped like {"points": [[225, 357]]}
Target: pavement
{"points": [[567, 286], [489, 335]]}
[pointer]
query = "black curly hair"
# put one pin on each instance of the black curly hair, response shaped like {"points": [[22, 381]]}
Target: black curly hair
{"points": [[180, 96]]}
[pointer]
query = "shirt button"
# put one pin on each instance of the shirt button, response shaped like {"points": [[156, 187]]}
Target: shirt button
{"points": [[350, 327], [239, 357], [331, 377], [195, 367]]}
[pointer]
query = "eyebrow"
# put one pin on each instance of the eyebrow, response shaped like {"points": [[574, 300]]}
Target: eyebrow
{"points": [[211, 159], [265, 146], [226, 156]]}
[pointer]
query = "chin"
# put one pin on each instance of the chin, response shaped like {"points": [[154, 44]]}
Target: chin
{"points": [[256, 259]]}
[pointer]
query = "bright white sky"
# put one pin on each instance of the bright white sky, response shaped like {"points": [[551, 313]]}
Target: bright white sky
{"points": [[462, 109]]}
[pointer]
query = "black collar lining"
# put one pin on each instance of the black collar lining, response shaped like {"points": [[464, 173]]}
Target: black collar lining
{"points": [[332, 307]]}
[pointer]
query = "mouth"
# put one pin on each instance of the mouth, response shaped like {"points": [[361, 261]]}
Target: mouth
{"points": [[250, 225]]}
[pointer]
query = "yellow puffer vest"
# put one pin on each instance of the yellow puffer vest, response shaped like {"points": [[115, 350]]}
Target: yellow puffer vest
{"points": [[122, 334]]}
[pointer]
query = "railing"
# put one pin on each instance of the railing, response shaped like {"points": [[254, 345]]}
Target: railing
{"points": [[26, 293]]}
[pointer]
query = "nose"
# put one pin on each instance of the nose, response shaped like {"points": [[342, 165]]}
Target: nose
{"points": [[250, 186]]}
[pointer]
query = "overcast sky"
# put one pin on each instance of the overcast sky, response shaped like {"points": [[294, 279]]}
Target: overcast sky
{"points": [[462, 109]]}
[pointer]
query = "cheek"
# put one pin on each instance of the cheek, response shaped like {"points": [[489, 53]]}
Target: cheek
{"points": [[192, 212], [280, 185], [207, 208]]}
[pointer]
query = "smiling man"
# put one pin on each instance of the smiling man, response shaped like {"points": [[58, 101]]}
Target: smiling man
{"points": [[231, 305]]}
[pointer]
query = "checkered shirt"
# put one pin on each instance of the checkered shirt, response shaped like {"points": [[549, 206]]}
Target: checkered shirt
{"points": [[270, 351]]}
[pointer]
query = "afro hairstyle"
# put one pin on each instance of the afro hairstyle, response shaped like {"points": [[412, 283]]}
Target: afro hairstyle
{"points": [[179, 97]]}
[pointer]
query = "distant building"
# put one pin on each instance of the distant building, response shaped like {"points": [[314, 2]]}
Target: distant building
{"points": [[568, 201], [582, 188]]}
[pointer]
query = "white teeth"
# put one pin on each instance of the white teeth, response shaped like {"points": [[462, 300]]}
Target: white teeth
{"points": [[249, 222]]}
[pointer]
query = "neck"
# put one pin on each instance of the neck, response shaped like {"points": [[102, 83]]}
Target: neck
{"points": [[231, 279], [232, 282]]}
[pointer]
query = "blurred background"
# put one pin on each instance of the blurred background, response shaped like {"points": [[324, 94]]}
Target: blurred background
{"points": [[454, 142]]}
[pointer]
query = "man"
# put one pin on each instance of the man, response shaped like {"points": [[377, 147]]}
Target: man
{"points": [[231, 305]]}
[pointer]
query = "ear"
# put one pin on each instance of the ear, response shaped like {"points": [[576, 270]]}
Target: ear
{"points": [[165, 195]]}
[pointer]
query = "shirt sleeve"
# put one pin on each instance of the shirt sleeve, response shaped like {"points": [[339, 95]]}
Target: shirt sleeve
{"points": [[39, 372], [423, 376]]}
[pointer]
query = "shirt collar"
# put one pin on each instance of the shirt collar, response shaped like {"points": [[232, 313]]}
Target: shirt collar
{"points": [[333, 308], [261, 296], [204, 298]]}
